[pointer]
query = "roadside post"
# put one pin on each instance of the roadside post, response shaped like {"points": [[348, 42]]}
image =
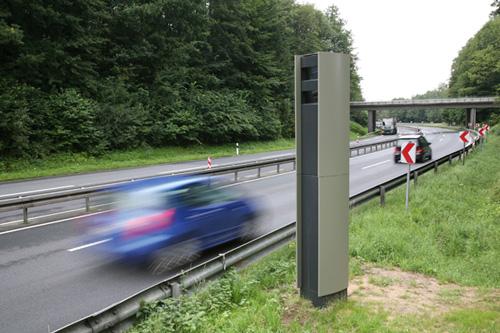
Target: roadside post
{"points": [[481, 133], [322, 142], [237, 148], [408, 155], [465, 137]]}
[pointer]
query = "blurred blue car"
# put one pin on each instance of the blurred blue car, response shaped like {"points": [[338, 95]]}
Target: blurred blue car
{"points": [[169, 220]]}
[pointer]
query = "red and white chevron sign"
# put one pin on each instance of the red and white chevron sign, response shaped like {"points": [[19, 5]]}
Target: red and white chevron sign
{"points": [[464, 136], [408, 153], [481, 131]]}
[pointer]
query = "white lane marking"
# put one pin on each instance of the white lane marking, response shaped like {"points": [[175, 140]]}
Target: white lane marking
{"points": [[36, 191], [282, 173], [175, 171], [89, 245], [44, 224], [374, 165]]}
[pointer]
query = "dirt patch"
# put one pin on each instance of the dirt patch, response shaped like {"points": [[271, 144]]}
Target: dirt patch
{"points": [[401, 293]]}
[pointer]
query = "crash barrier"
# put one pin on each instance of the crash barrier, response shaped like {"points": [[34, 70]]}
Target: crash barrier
{"points": [[381, 145], [88, 191], [368, 148], [122, 315]]}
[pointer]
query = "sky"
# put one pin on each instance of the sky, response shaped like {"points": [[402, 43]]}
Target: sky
{"points": [[406, 47]]}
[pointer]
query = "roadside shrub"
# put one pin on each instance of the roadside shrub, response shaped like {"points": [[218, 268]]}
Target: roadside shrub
{"points": [[495, 129], [357, 128], [71, 123], [22, 113]]}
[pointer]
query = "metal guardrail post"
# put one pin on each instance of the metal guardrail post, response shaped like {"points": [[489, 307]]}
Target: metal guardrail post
{"points": [[436, 167], [87, 204], [415, 178], [25, 214]]}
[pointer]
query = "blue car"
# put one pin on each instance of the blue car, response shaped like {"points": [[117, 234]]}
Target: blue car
{"points": [[169, 220]]}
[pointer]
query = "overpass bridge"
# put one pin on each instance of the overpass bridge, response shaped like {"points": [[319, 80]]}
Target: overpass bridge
{"points": [[469, 103]]}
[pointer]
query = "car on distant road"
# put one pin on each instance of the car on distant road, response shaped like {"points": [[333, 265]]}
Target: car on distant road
{"points": [[167, 221], [423, 149]]}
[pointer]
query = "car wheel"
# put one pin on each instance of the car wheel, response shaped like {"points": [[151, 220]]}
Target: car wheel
{"points": [[174, 256], [249, 230]]}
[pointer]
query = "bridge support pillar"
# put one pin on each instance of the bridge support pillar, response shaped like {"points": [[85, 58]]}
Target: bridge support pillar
{"points": [[372, 117], [471, 117]]}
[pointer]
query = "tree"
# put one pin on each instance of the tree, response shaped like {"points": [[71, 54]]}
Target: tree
{"points": [[476, 70], [53, 44], [496, 4]]}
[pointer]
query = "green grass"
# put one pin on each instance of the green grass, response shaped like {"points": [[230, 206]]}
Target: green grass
{"points": [[452, 229], [59, 164], [452, 232]]}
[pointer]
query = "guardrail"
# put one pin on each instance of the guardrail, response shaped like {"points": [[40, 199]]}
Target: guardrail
{"points": [[369, 147], [122, 315], [88, 191], [37, 199]]}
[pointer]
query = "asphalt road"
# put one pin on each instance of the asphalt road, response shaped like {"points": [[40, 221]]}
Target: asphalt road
{"points": [[48, 281]]}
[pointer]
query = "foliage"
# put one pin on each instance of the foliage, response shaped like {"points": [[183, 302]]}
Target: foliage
{"points": [[213, 304], [476, 70], [417, 116], [70, 162], [444, 234], [357, 128], [100, 75]]}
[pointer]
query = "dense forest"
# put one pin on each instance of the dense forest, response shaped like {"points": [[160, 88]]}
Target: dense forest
{"points": [[475, 72], [99, 75], [94, 76]]}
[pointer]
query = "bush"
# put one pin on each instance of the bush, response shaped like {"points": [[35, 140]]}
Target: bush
{"points": [[22, 112], [495, 129], [357, 128], [71, 123]]}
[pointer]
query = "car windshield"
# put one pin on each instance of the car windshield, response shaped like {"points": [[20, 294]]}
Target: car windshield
{"points": [[388, 122], [142, 200]]}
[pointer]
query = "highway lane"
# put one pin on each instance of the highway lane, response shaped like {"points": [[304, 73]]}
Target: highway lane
{"points": [[367, 171], [22, 187], [70, 182], [45, 285]]}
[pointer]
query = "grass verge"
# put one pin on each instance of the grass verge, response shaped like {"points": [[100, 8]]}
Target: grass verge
{"points": [[432, 269], [60, 164]]}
